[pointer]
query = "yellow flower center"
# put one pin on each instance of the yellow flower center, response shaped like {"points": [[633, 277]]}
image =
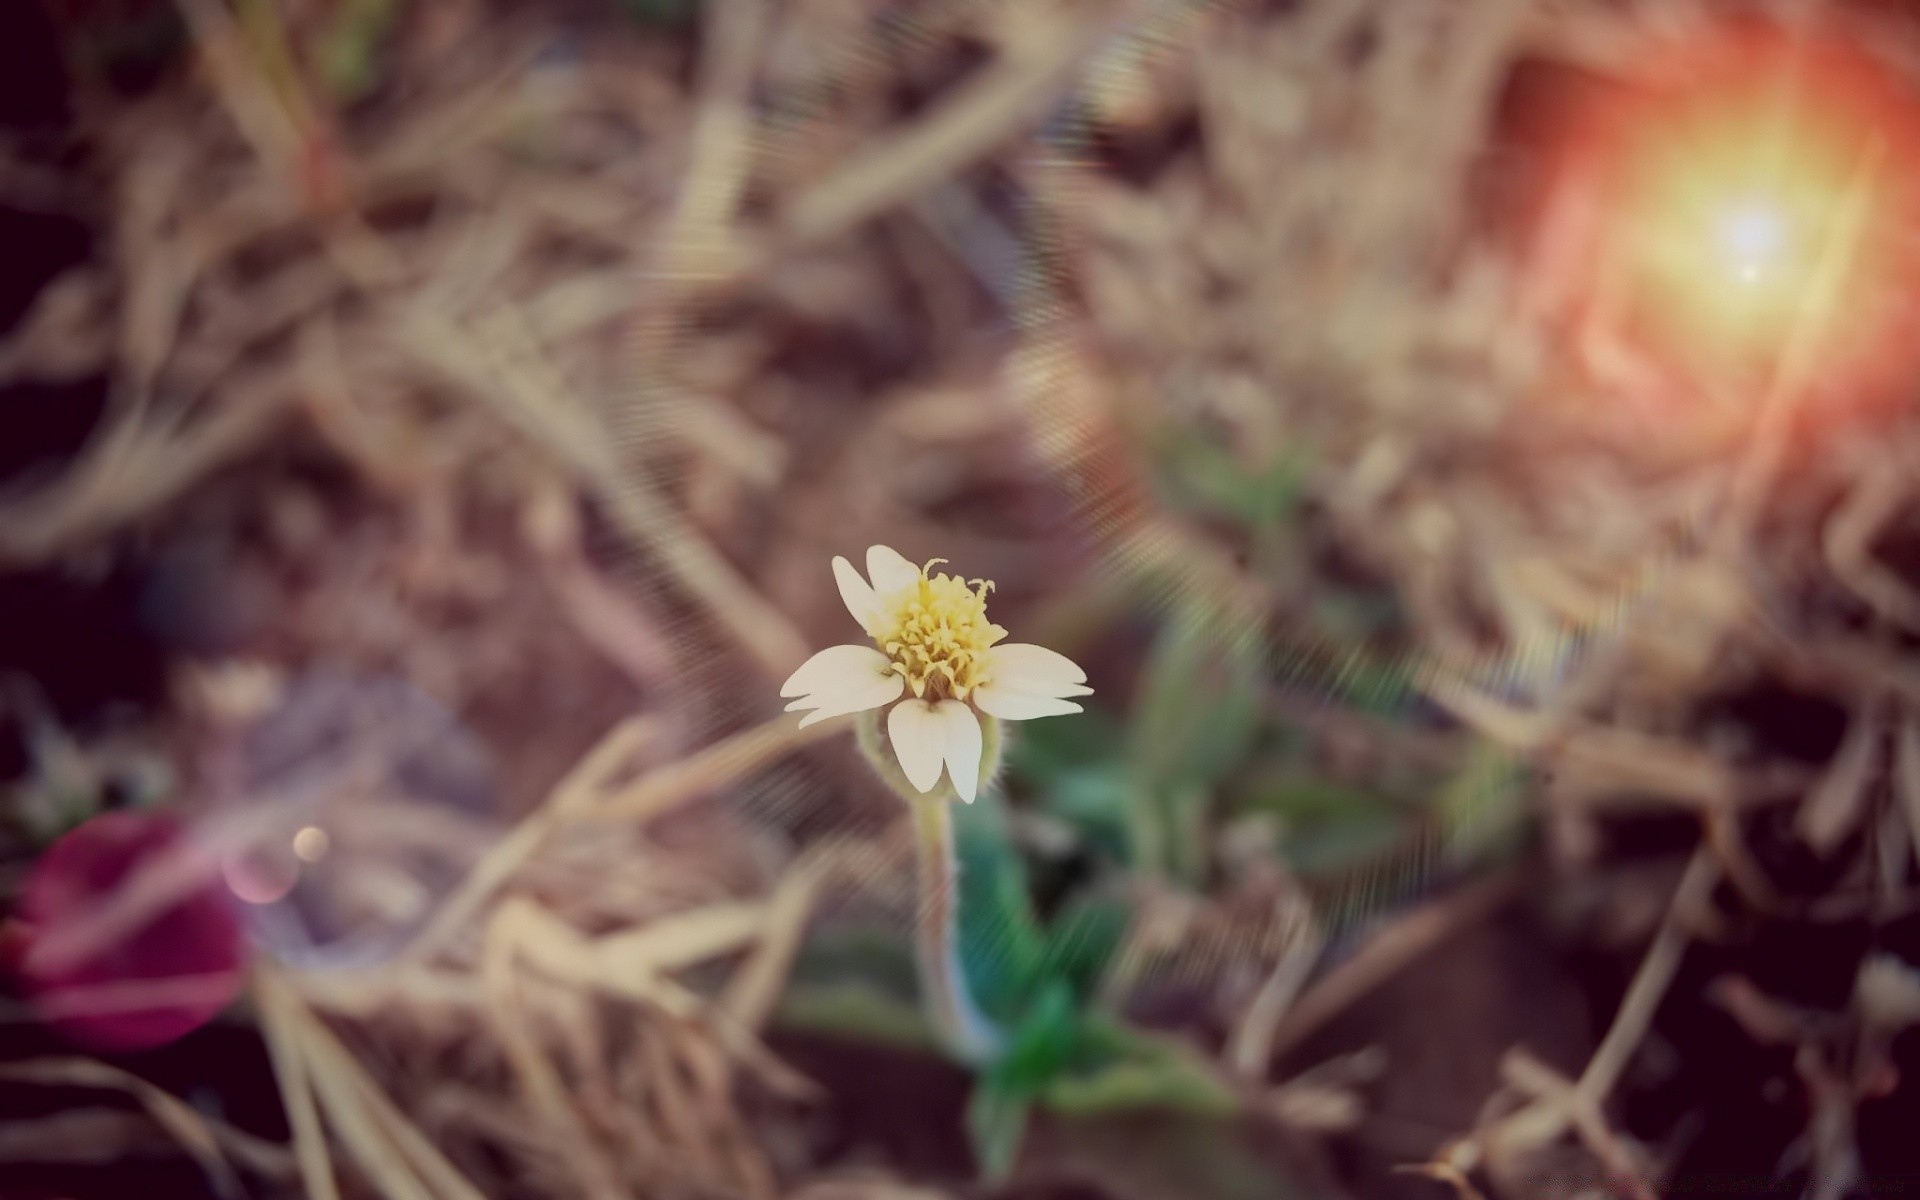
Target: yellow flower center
{"points": [[936, 631]]}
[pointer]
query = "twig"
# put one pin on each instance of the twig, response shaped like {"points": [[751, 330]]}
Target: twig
{"points": [[210, 1142], [1875, 501], [1556, 1104], [133, 470], [754, 990], [1385, 955], [1624, 759], [519, 924], [721, 146], [260, 113], [731, 758], [1557, 1100], [587, 794], [388, 1144], [1650, 982], [296, 1089], [1015, 90], [580, 788], [500, 364], [1250, 1051]]}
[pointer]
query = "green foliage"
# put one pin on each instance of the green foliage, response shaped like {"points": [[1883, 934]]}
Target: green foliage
{"points": [[670, 13], [1143, 793], [1041, 1046], [1137, 792], [1201, 475], [1326, 826], [1077, 768], [1068, 1058], [1195, 715], [1479, 809], [1049, 751], [996, 1125], [1010, 958], [1040, 983], [853, 1009], [1139, 1072], [69, 783], [1002, 945], [1195, 710], [1082, 943], [353, 47]]}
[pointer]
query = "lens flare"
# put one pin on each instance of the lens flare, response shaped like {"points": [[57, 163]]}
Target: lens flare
{"points": [[368, 802], [1753, 238], [1757, 191], [155, 961]]}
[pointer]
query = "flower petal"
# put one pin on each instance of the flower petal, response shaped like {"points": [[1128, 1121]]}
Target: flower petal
{"points": [[859, 697], [997, 701], [834, 669], [961, 732], [890, 572], [1036, 670], [919, 738], [855, 593]]}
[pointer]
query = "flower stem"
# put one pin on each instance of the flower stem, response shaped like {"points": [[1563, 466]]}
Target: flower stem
{"points": [[960, 1024], [966, 1030]]}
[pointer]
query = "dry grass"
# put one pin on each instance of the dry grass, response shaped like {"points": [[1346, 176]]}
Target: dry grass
{"points": [[526, 287]]}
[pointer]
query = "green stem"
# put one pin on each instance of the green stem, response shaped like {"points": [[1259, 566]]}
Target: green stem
{"points": [[965, 1030]]}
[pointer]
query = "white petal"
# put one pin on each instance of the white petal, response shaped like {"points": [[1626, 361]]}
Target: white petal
{"points": [[855, 593], [961, 730], [1024, 667], [834, 669], [860, 697], [1018, 706], [890, 572], [919, 737]]}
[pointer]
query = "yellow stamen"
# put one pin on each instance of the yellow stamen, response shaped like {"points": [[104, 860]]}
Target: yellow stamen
{"points": [[936, 632]]}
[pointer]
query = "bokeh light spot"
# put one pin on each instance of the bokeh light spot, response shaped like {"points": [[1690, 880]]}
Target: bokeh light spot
{"points": [[311, 844], [368, 803], [258, 875], [1752, 190], [164, 967], [1753, 235]]}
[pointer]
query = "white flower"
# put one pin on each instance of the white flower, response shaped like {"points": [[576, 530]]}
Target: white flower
{"points": [[931, 638]]}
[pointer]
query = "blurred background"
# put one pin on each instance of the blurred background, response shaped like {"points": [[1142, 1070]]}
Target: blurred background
{"points": [[1469, 446]]}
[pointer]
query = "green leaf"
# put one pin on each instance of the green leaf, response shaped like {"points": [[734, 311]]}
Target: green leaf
{"points": [[1196, 711], [1164, 1079], [1195, 716], [1112, 1068], [1001, 942], [1204, 476], [857, 1012], [1100, 802], [1041, 1045], [1082, 943], [876, 957], [996, 1124], [1049, 751], [1480, 808], [354, 46], [1327, 827]]}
